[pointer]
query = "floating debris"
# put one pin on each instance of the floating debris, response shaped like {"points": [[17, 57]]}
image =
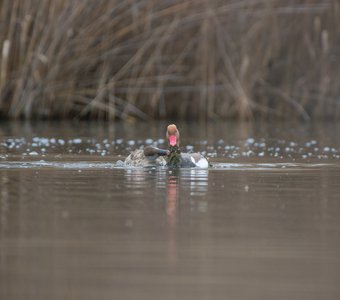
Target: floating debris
{"points": [[250, 141], [75, 141], [33, 153], [247, 148]]}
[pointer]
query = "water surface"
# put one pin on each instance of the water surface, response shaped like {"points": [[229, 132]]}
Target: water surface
{"points": [[262, 223]]}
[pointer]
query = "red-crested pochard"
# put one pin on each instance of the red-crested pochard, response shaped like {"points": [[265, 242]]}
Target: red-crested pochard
{"points": [[178, 159]]}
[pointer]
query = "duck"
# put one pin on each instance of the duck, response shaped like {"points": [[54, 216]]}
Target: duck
{"points": [[149, 156], [176, 158]]}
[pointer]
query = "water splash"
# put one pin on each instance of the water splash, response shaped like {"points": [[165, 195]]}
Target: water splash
{"points": [[83, 165]]}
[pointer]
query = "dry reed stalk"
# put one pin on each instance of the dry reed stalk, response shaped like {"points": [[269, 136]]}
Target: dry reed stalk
{"points": [[198, 59]]}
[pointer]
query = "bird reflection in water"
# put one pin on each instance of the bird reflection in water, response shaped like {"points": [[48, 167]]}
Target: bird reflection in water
{"points": [[183, 189], [171, 212], [179, 184]]}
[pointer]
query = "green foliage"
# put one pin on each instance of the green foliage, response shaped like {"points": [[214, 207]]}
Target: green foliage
{"points": [[174, 159]]}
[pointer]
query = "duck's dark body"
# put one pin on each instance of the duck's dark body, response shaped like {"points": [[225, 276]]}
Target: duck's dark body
{"points": [[177, 159]]}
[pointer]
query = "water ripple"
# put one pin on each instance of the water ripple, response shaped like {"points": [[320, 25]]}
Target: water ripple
{"points": [[56, 165], [83, 165], [273, 166]]}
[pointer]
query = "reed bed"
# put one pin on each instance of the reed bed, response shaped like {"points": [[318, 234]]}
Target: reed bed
{"points": [[145, 59]]}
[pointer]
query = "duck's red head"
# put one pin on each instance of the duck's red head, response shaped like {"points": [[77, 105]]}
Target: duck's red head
{"points": [[172, 135]]}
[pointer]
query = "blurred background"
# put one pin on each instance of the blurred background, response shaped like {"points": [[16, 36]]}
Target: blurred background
{"points": [[147, 59], [261, 223]]}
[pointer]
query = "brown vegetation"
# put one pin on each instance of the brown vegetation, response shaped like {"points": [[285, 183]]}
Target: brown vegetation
{"points": [[111, 59]]}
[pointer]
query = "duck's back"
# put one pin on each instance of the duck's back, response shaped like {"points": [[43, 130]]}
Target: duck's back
{"points": [[137, 158]]}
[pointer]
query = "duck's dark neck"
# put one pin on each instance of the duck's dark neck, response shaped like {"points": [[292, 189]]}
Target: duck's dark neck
{"points": [[174, 158]]}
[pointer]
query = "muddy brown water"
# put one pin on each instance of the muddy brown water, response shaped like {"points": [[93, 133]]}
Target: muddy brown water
{"points": [[262, 223]]}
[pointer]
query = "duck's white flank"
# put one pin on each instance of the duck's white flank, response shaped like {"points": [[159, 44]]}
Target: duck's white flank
{"points": [[202, 163]]}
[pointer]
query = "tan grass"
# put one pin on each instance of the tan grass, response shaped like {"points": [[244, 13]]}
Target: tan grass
{"points": [[199, 59]]}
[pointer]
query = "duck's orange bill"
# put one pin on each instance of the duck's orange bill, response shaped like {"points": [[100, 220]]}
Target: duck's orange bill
{"points": [[172, 140]]}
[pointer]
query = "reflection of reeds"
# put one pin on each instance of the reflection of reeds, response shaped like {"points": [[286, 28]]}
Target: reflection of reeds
{"points": [[201, 59]]}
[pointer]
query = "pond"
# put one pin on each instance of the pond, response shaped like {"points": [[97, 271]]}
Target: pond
{"points": [[263, 222]]}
